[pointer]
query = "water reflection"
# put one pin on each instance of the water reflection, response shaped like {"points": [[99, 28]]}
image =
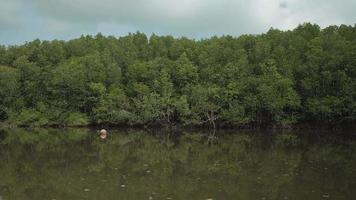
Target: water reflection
{"points": [[135, 164]]}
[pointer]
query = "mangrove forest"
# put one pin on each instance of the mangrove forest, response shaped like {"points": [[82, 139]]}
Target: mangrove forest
{"points": [[304, 76]]}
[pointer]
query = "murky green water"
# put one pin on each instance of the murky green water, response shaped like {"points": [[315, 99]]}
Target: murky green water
{"points": [[76, 164]]}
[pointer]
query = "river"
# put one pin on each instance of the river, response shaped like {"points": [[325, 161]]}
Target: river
{"points": [[57, 164]]}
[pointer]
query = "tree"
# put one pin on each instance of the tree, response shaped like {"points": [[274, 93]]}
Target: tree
{"points": [[278, 78], [205, 104], [10, 99]]}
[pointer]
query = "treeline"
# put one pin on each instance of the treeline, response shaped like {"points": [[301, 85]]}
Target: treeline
{"points": [[280, 78]]}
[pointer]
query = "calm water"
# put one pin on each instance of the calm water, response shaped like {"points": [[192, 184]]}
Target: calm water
{"points": [[133, 165]]}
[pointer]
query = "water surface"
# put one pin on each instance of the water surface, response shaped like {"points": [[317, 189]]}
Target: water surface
{"points": [[134, 164]]}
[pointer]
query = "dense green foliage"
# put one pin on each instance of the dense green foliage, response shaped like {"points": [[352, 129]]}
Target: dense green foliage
{"points": [[278, 78]]}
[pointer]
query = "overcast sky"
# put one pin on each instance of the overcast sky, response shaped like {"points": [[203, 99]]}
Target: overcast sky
{"points": [[25, 20]]}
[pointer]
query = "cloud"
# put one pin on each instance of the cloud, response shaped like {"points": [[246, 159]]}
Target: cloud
{"points": [[65, 19], [8, 9]]}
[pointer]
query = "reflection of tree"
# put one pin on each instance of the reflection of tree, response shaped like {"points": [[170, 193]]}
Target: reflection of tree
{"points": [[61, 164], [211, 136]]}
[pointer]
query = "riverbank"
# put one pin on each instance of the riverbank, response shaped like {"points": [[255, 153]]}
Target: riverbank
{"points": [[278, 79], [329, 127]]}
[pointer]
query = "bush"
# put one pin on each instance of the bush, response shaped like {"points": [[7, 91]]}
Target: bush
{"points": [[28, 117], [76, 119]]}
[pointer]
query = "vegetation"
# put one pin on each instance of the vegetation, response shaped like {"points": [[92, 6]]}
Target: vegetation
{"points": [[280, 78]]}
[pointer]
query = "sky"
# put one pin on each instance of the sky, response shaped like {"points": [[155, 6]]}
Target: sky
{"points": [[26, 20]]}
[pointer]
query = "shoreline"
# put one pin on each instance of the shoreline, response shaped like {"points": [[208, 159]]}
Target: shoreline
{"points": [[182, 127]]}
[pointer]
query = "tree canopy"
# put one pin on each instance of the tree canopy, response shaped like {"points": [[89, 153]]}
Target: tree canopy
{"points": [[279, 78]]}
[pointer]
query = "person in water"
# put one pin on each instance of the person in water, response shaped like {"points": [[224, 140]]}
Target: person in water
{"points": [[103, 134]]}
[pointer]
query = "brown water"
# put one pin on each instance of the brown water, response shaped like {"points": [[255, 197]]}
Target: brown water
{"points": [[131, 164]]}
